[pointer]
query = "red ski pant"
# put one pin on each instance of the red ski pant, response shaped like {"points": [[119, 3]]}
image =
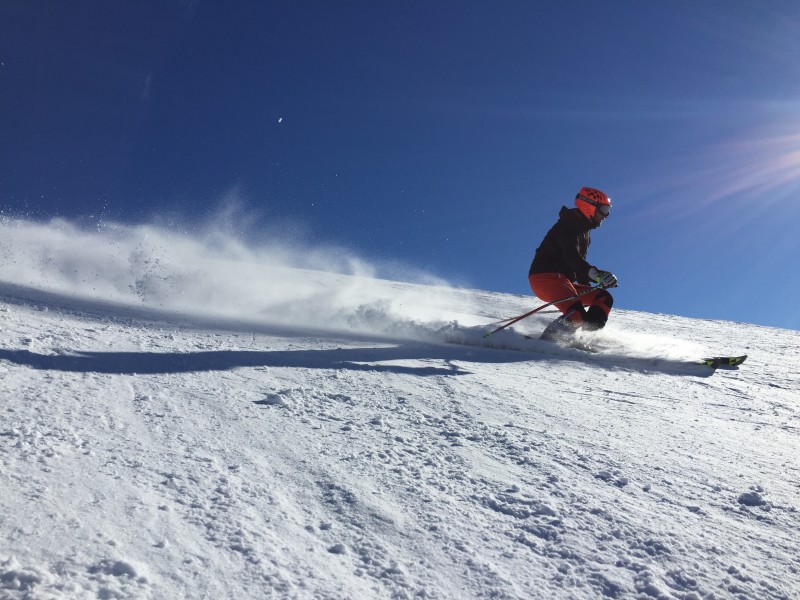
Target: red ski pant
{"points": [[549, 287]]}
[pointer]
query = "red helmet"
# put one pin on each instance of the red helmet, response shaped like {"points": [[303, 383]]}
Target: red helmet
{"points": [[590, 200]]}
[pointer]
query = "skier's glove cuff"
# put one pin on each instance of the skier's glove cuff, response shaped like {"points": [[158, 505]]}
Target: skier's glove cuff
{"points": [[604, 278]]}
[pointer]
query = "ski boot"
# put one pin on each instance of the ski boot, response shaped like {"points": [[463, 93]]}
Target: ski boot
{"points": [[561, 331]]}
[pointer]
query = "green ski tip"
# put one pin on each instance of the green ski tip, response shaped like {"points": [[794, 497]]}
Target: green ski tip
{"points": [[724, 361]]}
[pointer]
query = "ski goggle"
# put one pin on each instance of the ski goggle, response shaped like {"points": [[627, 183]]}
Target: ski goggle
{"points": [[603, 209]]}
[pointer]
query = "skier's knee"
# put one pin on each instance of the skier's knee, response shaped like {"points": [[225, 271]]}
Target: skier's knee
{"points": [[605, 299], [597, 314], [595, 318]]}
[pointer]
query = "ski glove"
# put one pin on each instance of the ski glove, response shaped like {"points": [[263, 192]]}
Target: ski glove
{"points": [[604, 278]]}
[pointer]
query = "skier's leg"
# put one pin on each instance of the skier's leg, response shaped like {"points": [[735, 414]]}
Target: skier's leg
{"points": [[599, 304], [550, 287]]}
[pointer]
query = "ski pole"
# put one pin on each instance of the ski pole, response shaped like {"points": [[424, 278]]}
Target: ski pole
{"points": [[501, 321], [513, 320]]}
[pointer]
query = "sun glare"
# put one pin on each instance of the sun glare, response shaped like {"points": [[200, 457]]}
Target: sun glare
{"points": [[764, 164], [758, 170]]}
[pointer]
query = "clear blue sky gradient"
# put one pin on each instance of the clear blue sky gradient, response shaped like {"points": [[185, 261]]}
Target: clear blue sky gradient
{"points": [[444, 135]]}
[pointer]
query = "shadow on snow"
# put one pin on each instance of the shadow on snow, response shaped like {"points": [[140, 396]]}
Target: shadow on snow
{"points": [[358, 359]]}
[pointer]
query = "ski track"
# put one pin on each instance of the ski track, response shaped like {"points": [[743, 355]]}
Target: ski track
{"points": [[214, 464]]}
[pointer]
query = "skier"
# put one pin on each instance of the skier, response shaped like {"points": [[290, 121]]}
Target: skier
{"points": [[559, 268]]}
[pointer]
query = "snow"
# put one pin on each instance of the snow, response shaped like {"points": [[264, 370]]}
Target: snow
{"points": [[189, 416]]}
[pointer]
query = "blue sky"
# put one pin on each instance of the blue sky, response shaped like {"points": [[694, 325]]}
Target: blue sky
{"points": [[442, 135]]}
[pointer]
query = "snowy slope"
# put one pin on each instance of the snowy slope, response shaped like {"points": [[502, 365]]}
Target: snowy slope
{"points": [[182, 417]]}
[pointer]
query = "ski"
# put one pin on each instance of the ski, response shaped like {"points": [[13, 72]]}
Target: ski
{"points": [[574, 343], [723, 361]]}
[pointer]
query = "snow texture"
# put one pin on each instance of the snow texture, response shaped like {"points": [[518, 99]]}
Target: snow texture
{"points": [[187, 416]]}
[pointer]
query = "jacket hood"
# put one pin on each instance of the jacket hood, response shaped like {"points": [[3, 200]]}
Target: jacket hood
{"points": [[575, 214]]}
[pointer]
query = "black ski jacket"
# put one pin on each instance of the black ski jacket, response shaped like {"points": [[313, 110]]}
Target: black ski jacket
{"points": [[563, 249]]}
